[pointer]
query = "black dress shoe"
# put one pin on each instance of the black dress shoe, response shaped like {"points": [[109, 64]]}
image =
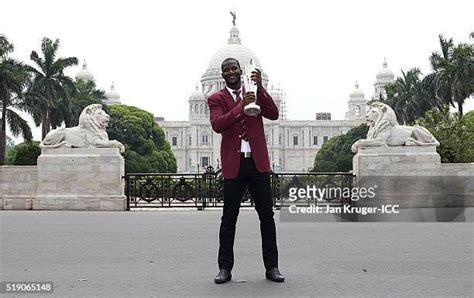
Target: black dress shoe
{"points": [[223, 276], [274, 275]]}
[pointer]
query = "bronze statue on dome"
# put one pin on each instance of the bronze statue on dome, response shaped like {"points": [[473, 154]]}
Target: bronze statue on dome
{"points": [[234, 16]]}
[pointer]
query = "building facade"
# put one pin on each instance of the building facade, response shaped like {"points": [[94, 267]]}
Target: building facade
{"points": [[292, 144]]}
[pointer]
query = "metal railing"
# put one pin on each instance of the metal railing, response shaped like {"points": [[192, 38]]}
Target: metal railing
{"points": [[205, 190]]}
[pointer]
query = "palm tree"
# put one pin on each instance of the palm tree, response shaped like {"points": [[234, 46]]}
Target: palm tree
{"points": [[51, 82], [408, 98], [452, 80], [14, 79]]}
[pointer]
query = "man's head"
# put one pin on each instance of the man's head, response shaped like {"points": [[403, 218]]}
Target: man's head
{"points": [[231, 73]]}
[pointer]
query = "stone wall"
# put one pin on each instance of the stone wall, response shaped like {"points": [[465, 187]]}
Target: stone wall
{"points": [[413, 177], [17, 187], [66, 179]]}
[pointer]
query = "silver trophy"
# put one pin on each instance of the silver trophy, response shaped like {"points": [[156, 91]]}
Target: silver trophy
{"points": [[252, 109]]}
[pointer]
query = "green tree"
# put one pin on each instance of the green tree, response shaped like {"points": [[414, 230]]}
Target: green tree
{"points": [[452, 80], [85, 94], [454, 132], [408, 98], [147, 150], [335, 155], [14, 79], [24, 154], [54, 86]]}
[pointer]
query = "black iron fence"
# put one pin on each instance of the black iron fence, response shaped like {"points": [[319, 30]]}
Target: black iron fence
{"points": [[205, 190]]}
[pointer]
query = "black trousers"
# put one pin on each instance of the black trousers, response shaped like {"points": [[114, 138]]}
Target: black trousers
{"points": [[259, 187]]}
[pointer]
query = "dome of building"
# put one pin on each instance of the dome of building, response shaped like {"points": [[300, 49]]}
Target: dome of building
{"points": [[243, 54], [84, 74], [356, 93], [197, 95], [234, 49], [385, 74], [112, 95], [212, 80]]}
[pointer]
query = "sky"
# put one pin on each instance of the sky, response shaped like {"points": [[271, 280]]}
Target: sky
{"points": [[157, 51]]}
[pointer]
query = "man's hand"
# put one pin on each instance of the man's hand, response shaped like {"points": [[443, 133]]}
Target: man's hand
{"points": [[249, 97], [256, 76]]}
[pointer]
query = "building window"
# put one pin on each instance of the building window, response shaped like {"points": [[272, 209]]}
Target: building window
{"points": [[204, 161], [315, 140], [189, 161], [325, 139], [357, 111], [266, 138], [189, 141], [205, 139], [323, 116], [174, 141], [295, 140], [279, 140]]}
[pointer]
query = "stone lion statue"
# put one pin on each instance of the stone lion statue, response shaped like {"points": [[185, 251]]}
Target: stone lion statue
{"points": [[89, 134], [384, 130]]}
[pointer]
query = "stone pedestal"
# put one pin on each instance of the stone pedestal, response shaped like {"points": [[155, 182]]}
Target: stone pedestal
{"points": [[408, 176], [397, 161], [412, 177], [80, 179]]}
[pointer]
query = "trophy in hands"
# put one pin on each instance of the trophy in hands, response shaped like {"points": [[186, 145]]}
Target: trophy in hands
{"points": [[252, 109]]}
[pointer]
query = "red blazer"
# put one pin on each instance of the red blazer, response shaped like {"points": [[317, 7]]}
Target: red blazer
{"points": [[225, 116]]}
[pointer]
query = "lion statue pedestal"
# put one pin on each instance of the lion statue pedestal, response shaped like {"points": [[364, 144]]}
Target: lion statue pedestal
{"points": [[80, 179], [401, 160], [401, 165], [80, 168]]}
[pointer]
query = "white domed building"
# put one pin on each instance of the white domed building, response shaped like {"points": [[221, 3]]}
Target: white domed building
{"points": [[212, 80], [357, 104], [111, 96], [292, 144], [84, 74], [383, 77]]}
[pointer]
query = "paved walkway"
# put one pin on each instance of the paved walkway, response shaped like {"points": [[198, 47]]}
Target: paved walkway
{"points": [[173, 253]]}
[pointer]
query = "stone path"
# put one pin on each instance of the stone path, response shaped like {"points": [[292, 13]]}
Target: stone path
{"points": [[173, 253]]}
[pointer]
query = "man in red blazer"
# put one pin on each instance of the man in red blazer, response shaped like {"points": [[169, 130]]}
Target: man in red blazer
{"points": [[245, 164]]}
